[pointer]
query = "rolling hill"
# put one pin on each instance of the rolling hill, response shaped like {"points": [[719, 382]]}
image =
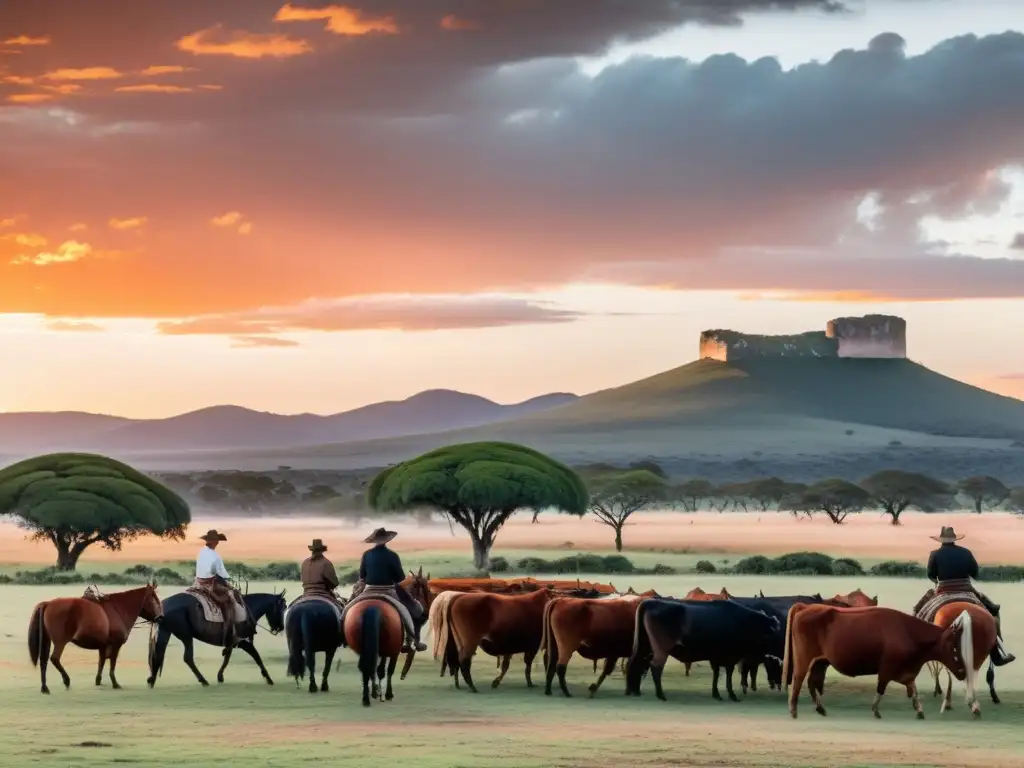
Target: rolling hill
{"points": [[230, 426], [732, 419]]}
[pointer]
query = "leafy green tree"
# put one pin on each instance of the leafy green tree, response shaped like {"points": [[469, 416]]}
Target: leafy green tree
{"points": [[479, 486], [1016, 500], [983, 491], [895, 491], [75, 500], [616, 496], [693, 492], [765, 492], [836, 498]]}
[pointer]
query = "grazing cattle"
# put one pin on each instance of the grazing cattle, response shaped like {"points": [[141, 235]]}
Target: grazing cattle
{"points": [[869, 641], [721, 632], [499, 625], [699, 594], [984, 638], [596, 629], [856, 599]]}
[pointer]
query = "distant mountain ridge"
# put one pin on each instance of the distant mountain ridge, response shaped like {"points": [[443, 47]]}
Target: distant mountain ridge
{"points": [[231, 426]]}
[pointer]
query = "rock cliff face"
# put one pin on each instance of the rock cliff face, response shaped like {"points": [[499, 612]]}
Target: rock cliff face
{"points": [[869, 336], [878, 336]]}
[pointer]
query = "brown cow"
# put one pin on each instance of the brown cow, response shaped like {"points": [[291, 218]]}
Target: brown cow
{"points": [[500, 625], [868, 641], [855, 599], [596, 629]]}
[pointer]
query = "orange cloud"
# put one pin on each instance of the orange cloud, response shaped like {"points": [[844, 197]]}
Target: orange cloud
{"points": [[132, 223], [78, 227], [29, 98], [341, 20], [245, 228], [67, 252], [28, 240], [253, 342], [210, 87], [73, 325], [851, 297], [10, 221], [27, 40], [166, 69], [213, 41], [64, 88], [84, 73], [19, 80], [453, 23], [232, 219], [153, 88]]}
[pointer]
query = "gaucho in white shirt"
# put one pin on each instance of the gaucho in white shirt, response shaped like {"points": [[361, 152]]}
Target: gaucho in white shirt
{"points": [[212, 578]]}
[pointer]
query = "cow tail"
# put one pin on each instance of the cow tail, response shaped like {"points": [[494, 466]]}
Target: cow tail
{"points": [[38, 638], [641, 649], [787, 654]]}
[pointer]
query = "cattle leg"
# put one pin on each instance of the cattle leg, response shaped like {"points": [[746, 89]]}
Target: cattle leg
{"points": [[714, 682], [914, 700], [609, 667], [728, 682], [687, 665], [505, 661], [936, 672], [799, 673], [947, 701], [816, 684], [656, 670], [990, 678], [528, 658], [879, 693]]}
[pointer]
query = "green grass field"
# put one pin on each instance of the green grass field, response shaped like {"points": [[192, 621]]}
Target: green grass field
{"points": [[244, 722]]}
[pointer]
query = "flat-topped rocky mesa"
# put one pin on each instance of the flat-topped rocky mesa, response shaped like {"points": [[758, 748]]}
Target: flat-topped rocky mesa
{"points": [[870, 336]]}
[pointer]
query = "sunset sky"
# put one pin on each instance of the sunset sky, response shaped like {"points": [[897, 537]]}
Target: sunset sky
{"points": [[308, 207]]}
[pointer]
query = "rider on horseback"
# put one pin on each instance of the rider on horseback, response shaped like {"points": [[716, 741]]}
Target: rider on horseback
{"points": [[212, 578], [952, 567], [318, 576], [381, 568]]}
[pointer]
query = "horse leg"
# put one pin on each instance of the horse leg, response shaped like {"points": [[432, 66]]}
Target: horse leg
{"points": [[609, 667], [728, 682], [688, 665], [408, 664], [367, 674], [753, 677], [310, 654], [248, 647], [990, 678], [389, 693], [714, 682], [936, 672], [226, 653], [114, 653], [914, 700], [156, 658], [505, 661], [55, 656], [99, 669], [328, 660], [883, 683], [528, 658], [378, 688], [816, 685], [190, 659]]}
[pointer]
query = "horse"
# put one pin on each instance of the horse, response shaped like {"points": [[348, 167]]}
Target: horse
{"points": [[184, 618], [96, 622], [983, 631], [373, 630], [312, 627]]}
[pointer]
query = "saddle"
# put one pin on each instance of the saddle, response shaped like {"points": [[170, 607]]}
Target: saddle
{"points": [[211, 608], [337, 603], [388, 595], [93, 594], [931, 606]]}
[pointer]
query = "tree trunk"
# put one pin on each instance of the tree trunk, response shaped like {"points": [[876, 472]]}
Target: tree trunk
{"points": [[481, 550], [618, 538], [67, 557]]}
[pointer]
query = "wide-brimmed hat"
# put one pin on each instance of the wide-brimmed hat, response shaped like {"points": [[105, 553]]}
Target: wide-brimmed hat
{"points": [[317, 546], [947, 536], [380, 536], [213, 535]]}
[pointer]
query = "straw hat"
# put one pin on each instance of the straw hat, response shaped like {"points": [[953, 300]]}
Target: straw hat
{"points": [[213, 535], [380, 536], [948, 536]]}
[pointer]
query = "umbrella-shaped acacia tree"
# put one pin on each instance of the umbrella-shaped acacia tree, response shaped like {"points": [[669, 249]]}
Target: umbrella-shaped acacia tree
{"points": [[76, 500], [479, 486]]}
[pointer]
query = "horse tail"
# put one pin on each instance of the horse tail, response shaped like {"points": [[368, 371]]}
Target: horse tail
{"points": [[294, 633], [370, 641], [641, 648], [787, 648], [967, 650], [151, 654], [438, 618], [38, 638]]}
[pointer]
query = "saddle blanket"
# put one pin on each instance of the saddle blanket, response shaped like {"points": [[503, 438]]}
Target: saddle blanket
{"points": [[211, 611], [338, 609], [931, 606], [388, 596]]}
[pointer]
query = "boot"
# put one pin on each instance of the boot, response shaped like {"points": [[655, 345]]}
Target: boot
{"points": [[413, 642], [999, 656]]}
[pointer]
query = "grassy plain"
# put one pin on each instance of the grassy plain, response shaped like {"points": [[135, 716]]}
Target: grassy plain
{"points": [[430, 724]]}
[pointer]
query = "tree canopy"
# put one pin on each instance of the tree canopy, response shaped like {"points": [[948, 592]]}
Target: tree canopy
{"points": [[76, 500], [983, 491], [836, 498], [615, 496], [895, 490], [479, 486]]}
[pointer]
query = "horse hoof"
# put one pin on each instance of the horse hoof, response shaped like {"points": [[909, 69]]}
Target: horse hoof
{"points": [[366, 702], [204, 683], [116, 686], [792, 713], [995, 699], [734, 697], [389, 697], [878, 716], [45, 690], [976, 714], [151, 682], [220, 680], [821, 711], [269, 681], [920, 715], [496, 683], [661, 696]]}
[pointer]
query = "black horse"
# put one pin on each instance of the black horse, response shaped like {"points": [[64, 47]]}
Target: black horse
{"points": [[183, 617], [312, 627]]}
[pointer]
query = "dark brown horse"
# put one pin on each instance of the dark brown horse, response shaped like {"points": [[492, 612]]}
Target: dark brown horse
{"points": [[373, 630], [99, 623], [418, 586]]}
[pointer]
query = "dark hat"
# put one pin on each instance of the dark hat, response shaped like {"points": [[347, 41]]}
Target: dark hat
{"points": [[213, 535], [947, 536], [317, 546], [380, 536]]}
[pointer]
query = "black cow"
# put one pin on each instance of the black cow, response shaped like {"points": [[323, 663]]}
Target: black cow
{"points": [[721, 632]]}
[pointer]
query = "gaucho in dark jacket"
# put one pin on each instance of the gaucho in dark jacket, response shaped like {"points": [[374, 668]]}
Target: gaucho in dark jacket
{"points": [[952, 568]]}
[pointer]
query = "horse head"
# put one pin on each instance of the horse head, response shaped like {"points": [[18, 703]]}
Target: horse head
{"points": [[419, 588], [152, 609], [275, 613]]}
